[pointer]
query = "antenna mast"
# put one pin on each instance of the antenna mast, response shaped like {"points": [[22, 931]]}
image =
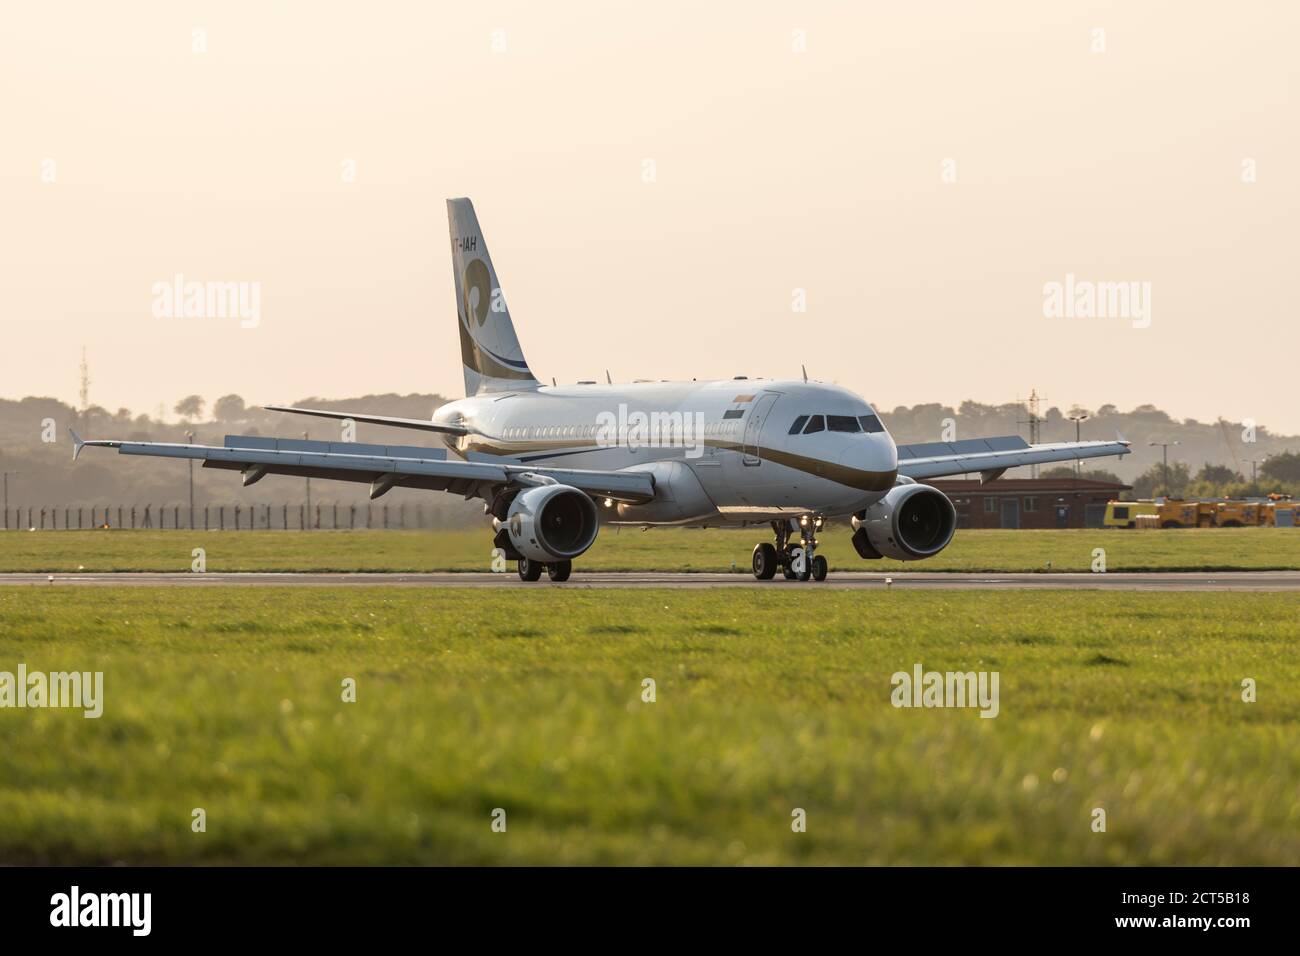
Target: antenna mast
{"points": [[1034, 422], [84, 393]]}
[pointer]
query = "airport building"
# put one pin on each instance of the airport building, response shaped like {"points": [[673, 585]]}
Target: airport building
{"points": [[1030, 502]]}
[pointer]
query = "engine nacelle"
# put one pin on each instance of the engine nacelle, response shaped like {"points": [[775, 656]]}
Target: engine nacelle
{"points": [[911, 522], [552, 523]]}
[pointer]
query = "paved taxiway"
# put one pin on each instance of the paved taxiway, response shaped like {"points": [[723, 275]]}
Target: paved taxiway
{"points": [[1115, 581]]}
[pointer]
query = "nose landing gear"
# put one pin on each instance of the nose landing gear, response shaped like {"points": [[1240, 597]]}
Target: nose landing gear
{"points": [[796, 562]]}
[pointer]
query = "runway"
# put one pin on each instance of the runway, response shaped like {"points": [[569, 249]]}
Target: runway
{"points": [[1124, 581]]}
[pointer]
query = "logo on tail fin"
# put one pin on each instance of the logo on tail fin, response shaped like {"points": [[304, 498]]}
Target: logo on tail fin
{"points": [[477, 291]]}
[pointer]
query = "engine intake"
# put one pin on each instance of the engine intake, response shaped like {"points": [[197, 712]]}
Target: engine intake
{"points": [[552, 523], [911, 522]]}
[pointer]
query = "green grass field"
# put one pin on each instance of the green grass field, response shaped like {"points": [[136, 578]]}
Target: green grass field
{"points": [[230, 700], [630, 549]]}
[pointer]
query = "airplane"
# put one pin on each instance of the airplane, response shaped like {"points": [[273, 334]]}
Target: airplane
{"points": [[553, 463]]}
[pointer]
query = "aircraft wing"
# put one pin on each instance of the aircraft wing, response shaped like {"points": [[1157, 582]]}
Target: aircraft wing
{"points": [[383, 466], [992, 456], [417, 423]]}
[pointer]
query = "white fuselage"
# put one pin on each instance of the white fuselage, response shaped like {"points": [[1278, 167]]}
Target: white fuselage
{"points": [[721, 452]]}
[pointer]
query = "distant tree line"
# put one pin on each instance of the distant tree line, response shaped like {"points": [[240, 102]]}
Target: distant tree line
{"points": [[1225, 449], [42, 474], [1231, 453]]}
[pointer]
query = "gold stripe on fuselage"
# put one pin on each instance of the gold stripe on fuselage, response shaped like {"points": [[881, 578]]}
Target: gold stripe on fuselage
{"points": [[840, 474]]}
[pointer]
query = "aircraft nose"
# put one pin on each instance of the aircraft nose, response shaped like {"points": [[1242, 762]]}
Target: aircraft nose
{"points": [[876, 455]]}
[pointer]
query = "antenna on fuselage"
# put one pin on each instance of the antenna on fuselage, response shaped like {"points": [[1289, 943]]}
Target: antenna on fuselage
{"points": [[804, 369], [608, 380], [552, 380]]}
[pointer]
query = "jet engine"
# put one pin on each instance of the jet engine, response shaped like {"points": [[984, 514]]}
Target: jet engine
{"points": [[911, 522], [551, 523]]}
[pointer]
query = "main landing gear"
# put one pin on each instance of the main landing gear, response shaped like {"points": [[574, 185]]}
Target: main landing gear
{"points": [[532, 570], [799, 561], [529, 570]]}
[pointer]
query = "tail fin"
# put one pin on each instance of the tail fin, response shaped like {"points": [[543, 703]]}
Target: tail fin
{"points": [[489, 348]]}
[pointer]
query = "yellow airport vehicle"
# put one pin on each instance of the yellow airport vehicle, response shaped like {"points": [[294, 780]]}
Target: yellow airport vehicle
{"points": [[1283, 512], [1180, 513], [1241, 514], [1278, 511], [1123, 514]]}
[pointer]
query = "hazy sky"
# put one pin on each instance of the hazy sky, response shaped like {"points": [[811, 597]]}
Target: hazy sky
{"points": [[775, 170]]}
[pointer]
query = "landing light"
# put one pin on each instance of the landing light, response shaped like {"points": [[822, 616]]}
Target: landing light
{"points": [[609, 502]]}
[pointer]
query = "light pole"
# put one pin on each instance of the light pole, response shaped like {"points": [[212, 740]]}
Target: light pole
{"points": [[1254, 468], [1078, 462], [1164, 447], [6, 482], [307, 522], [189, 437]]}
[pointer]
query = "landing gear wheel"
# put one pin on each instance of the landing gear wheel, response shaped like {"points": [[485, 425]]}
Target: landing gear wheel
{"points": [[786, 570], [819, 568], [529, 570], [764, 561], [803, 574], [559, 570]]}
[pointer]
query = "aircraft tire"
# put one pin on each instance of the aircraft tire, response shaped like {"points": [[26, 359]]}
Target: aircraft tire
{"points": [[764, 561]]}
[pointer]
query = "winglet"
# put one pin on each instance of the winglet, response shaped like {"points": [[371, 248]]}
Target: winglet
{"points": [[1122, 440], [77, 443]]}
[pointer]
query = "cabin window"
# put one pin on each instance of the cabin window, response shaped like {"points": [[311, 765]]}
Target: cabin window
{"points": [[799, 422], [815, 424], [733, 413]]}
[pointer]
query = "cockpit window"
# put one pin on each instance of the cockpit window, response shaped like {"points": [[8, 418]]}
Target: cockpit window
{"points": [[842, 423], [797, 427], [815, 424], [871, 424]]}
